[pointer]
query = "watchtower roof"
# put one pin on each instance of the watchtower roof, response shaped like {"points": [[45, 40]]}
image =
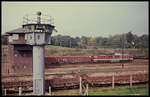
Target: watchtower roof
{"points": [[18, 31]]}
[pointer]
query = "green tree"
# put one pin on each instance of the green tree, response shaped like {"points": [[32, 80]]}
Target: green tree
{"points": [[92, 43], [131, 39], [4, 39]]}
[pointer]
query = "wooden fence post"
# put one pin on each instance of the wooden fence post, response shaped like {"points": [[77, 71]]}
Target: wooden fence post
{"points": [[113, 80], [87, 89], [80, 85], [50, 92], [131, 81], [20, 91], [5, 92]]}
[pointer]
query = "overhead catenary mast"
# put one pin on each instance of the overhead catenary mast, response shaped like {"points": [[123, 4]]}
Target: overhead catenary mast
{"points": [[123, 46]]}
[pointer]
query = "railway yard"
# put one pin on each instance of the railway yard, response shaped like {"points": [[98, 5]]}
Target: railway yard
{"points": [[66, 76], [91, 55]]}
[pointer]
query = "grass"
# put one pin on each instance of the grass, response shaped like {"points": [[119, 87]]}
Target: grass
{"points": [[122, 92], [64, 51], [4, 50], [136, 91]]}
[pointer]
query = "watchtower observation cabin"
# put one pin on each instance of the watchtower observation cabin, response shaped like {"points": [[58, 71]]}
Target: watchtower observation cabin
{"points": [[20, 51]]}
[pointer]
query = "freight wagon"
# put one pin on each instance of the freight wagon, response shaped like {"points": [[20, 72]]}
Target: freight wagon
{"points": [[63, 83], [67, 59]]}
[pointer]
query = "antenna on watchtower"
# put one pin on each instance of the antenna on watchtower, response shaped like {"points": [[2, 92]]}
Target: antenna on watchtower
{"points": [[39, 17]]}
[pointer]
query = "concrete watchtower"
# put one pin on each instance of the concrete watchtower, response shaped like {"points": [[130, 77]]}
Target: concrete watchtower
{"points": [[38, 35]]}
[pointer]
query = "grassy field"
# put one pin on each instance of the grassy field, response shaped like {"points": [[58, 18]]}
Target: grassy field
{"points": [[122, 92], [64, 51], [136, 91]]}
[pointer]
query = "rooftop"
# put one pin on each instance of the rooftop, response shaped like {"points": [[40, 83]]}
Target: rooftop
{"points": [[18, 30]]}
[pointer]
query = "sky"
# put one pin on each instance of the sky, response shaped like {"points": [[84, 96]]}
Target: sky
{"points": [[91, 19]]}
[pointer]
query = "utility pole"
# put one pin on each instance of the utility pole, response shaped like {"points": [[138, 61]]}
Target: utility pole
{"points": [[60, 43], [70, 43], [122, 50]]}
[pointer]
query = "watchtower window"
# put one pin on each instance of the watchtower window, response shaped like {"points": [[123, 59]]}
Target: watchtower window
{"points": [[30, 37], [21, 36], [38, 37], [25, 53]]}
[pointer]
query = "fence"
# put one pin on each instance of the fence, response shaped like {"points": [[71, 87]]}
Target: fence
{"points": [[83, 82]]}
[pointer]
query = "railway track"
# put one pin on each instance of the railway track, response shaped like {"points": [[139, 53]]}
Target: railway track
{"points": [[68, 75], [75, 71]]}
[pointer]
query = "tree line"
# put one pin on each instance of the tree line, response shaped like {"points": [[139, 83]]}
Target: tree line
{"points": [[127, 40]]}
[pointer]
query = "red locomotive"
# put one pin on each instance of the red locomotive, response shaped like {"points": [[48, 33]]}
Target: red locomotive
{"points": [[88, 59], [112, 58]]}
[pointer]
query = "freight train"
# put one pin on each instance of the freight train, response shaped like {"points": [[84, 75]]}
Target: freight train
{"points": [[111, 58]]}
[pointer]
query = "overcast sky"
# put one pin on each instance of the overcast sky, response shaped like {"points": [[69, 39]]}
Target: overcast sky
{"points": [[82, 18]]}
